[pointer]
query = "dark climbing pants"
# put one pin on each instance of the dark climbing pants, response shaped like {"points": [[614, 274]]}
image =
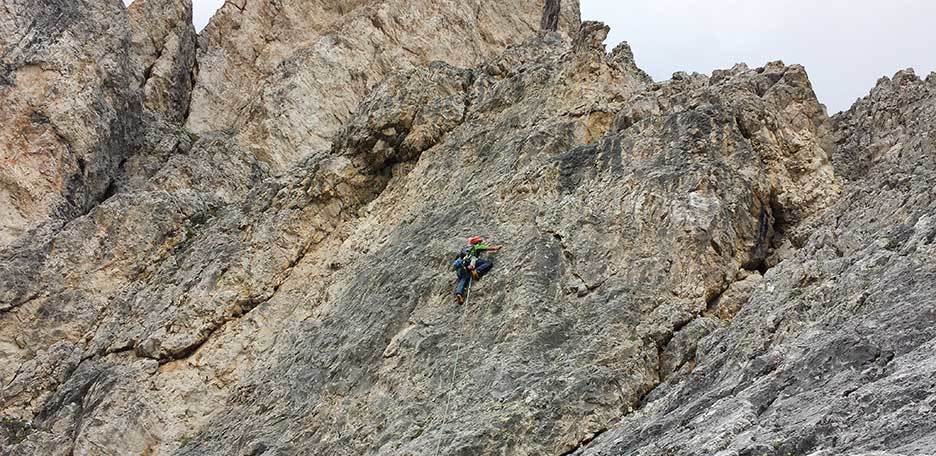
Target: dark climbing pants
{"points": [[464, 277], [483, 266]]}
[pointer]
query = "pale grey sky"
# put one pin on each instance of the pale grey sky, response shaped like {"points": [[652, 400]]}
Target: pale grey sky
{"points": [[202, 10], [845, 45]]}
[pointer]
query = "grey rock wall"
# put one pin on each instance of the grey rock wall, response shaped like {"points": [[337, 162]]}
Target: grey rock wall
{"points": [[68, 110], [704, 265], [163, 56], [832, 353], [285, 75]]}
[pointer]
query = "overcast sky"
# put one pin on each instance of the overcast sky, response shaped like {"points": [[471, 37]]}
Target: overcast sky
{"points": [[202, 10], [845, 45]]}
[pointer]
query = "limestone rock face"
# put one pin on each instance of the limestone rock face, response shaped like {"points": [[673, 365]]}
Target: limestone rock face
{"points": [[892, 125], [628, 208], [704, 265], [68, 110], [163, 55], [285, 75], [833, 351]]}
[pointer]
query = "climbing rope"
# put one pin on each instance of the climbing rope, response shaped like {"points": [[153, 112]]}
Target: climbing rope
{"points": [[448, 400]]}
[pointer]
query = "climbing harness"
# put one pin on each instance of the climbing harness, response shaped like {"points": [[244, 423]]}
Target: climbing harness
{"points": [[448, 400]]}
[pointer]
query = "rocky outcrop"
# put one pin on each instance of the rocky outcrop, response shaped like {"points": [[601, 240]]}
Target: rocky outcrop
{"points": [[892, 125], [629, 207], [163, 55], [832, 353], [286, 75], [705, 265], [75, 80], [68, 112]]}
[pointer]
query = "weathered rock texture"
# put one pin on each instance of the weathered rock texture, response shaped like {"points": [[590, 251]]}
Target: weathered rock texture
{"points": [[833, 353], [285, 75], [68, 111], [163, 55], [706, 265]]}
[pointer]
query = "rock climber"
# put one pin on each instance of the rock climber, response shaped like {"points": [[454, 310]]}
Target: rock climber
{"points": [[470, 266]]}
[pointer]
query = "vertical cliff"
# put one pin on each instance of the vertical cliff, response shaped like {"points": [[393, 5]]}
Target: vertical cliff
{"points": [[68, 113], [262, 262], [832, 352], [285, 75]]}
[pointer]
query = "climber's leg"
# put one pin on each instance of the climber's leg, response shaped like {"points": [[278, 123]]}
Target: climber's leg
{"points": [[463, 279], [483, 266]]}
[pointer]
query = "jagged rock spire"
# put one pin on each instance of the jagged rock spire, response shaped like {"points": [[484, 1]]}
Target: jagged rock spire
{"points": [[164, 55], [550, 20], [285, 75]]}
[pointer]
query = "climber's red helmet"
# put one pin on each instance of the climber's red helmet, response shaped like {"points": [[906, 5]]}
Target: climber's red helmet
{"points": [[474, 240]]}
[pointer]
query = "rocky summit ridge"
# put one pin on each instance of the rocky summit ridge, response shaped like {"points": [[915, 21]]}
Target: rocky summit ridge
{"points": [[240, 241]]}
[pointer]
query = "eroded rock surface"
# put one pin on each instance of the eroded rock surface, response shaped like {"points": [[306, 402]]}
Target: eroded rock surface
{"points": [[164, 55], [705, 265], [68, 109], [833, 351], [285, 75]]}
